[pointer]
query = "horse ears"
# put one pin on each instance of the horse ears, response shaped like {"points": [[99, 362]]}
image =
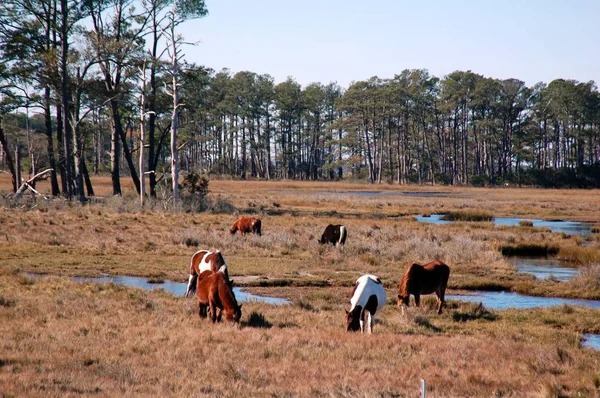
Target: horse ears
{"points": [[240, 306]]}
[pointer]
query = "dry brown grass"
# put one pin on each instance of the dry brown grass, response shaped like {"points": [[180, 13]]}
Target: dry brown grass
{"points": [[64, 338]]}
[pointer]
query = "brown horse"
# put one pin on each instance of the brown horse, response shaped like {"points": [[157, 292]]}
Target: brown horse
{"points": [[246, 225], [215, 292], [204, 260], [424, 279]]}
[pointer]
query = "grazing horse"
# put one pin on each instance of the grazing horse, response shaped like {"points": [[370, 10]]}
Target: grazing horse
{"points": [[367, 298], [424, 279], [246, 225], [214, 291], [205, 260], [334, 234]]}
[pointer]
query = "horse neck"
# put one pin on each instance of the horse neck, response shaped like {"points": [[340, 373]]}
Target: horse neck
{"points": [[407, 280], [226, 294]]}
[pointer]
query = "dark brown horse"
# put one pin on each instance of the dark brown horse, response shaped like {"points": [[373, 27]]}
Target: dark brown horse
{"points": [[424, 279], [246, 225], [334, 234], [214, 292]]}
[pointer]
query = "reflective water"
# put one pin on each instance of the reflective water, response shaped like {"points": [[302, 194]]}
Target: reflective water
{"points": [[390, 193], [544, 268], [568, 227], [504, 300], [177, 288], [591, 341], [433, 219]]}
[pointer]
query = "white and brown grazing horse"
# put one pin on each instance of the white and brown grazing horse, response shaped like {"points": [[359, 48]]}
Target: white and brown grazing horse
{"points": [[368, 297], [205, 260]]}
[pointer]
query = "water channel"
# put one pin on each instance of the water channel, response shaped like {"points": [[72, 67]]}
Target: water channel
{"points": [[177, 288], [568, 227]]}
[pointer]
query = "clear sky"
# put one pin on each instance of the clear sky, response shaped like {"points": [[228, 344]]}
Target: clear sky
{"points": [[349, 40]]}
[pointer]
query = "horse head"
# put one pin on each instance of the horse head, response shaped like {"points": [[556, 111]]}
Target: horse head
{"points": [[234, 314], [353, 319], [403, 302], [233, 228]]}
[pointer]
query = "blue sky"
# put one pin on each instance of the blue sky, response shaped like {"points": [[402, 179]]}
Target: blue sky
{"points": [[345, 41]]}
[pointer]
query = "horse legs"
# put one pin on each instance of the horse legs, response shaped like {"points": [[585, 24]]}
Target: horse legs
{"points": [[213, 311], [441, 299], [370, 322], [202, 310], [417, 300]]}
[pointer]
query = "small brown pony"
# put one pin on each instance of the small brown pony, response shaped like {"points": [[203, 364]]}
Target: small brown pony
{"points": [[214, 291], [424, 279], [246, 225]]}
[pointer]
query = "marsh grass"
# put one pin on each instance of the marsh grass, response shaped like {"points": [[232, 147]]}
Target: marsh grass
{"points": [[529, 250], [63, 337], [475, 216], [526, 223]]}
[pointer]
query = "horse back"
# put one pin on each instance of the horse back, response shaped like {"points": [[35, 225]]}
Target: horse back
{"points": [[366, 287], [434, 275]]}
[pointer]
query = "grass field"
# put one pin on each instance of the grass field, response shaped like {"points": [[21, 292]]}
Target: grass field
{"points": [[67, 338]]}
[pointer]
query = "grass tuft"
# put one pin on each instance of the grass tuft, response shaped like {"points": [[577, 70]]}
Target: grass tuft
{"points": [[529, 250], [476, 216], [473, 312], [257, 320]]}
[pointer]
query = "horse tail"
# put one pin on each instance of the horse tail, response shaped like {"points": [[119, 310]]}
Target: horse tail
{"points": [[445, 276], [256, 226], [193, 278], [343, 235]]}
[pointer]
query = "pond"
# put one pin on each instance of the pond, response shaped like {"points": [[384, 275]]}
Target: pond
{"points": [[504, 300], [544, 268], [591, 341], [568, 227], [177, 288], [390, 193]]}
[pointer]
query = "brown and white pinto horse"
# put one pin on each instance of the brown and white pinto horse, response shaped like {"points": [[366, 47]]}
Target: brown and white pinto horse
{"points": [[214, 291], [367, 298], [246, 225], [205, 260], [424, 279], [334, 234]]}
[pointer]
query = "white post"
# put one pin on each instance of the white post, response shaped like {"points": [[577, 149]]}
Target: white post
{"points": [[423, 389]]}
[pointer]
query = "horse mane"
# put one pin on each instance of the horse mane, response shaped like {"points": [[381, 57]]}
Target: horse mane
{"points": [[407, 280], [226, 293]]}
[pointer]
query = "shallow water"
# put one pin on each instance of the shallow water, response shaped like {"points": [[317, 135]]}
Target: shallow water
{"points": [[591, 341], [568, 227], [433, 219], [504, 300], [177, 288], [387, 193], [544, 268]]}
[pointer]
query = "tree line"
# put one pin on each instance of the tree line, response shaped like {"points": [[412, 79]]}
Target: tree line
{"points": [[89, 86]]}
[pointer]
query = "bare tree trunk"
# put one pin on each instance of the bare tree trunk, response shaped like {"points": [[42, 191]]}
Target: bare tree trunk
{"points": [[9, 158]]}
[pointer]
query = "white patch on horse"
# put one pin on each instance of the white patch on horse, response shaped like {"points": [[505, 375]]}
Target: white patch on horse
{"points": [[342, 234]]}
